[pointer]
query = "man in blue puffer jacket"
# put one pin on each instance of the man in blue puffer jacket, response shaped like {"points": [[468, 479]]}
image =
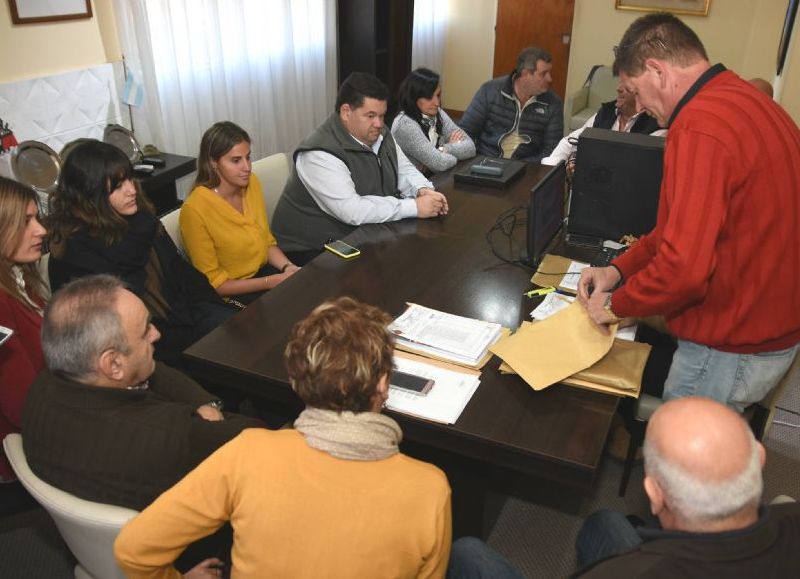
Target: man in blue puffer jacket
{"points": [[517, 116]]}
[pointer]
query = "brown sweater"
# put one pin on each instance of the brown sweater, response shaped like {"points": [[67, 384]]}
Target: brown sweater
{"points": [[122, 447]]}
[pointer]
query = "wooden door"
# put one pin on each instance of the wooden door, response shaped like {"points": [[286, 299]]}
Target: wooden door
{"points": [[543, 23]]}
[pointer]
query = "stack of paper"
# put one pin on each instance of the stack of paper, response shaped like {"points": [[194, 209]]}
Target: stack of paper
{"points": [[555, 302], [444, 336], [451, 391]]}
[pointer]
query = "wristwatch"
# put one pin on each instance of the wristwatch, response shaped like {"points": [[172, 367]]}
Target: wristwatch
{"points": [[215, 404], [609, 311]]}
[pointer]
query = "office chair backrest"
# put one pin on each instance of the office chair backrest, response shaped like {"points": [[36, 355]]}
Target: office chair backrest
{"points": [[273, 172], [173, 226], [88, 528]]}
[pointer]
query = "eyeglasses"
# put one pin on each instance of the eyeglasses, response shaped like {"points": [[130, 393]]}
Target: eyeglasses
{"points": [[652, 41]]}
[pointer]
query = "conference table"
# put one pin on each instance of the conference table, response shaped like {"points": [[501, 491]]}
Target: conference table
{"points": [[446, 263]]}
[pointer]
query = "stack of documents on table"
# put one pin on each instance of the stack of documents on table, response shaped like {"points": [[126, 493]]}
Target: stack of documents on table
{"points": [[452, 389], [560, 272], [568, 347], [443, 336]]}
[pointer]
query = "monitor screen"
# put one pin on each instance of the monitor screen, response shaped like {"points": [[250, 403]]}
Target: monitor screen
{"points": [[616, 185], [545, 213]]}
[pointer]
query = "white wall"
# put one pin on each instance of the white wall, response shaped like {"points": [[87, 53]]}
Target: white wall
{"points": [[468, 50], [34, 50]]}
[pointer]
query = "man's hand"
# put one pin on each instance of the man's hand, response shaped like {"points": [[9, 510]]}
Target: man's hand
{"points": [[595, 307], [207, 568], [602, 279], [211, 414], [430, 203], [456, 136]]}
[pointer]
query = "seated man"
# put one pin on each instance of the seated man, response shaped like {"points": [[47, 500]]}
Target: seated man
{"points": [[332, 498], [104, 421], [703, 479], [617, 115], [350, 172], [517, 116]]}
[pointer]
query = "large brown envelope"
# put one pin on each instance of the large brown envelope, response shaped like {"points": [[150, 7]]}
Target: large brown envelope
{"points": [[556, 348]]}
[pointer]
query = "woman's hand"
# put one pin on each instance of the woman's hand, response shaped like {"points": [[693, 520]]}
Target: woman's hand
{"points": [[456, 136]]}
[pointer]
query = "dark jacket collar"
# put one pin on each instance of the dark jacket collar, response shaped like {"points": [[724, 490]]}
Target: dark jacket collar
{"points": [[745, 542], [693, 90]]}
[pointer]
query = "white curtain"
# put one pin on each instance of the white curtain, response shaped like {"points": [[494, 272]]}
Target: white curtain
{"points": [[267, 65], [430, 27]]}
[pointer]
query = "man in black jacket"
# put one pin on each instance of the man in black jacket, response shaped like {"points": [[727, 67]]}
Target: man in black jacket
{"points": [[104, 421], [517, 116]]}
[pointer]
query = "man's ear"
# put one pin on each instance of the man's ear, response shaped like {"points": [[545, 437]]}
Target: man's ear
{"points": [[345, 111], [657, 69], [110, 365], [655, 494]]}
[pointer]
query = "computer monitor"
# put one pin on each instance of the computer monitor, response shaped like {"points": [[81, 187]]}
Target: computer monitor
{"points": [[545, 213], [616, 185]]}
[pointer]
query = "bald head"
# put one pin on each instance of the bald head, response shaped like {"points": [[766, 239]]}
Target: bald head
{"points": [[705, 461], [762, 85]]}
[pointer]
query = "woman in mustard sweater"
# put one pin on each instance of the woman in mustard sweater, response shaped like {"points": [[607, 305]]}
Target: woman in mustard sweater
{"points": [[224, 220], [333, 497]]}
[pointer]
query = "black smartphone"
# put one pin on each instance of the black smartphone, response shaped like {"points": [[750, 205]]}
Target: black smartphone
{"points": [[411, 383]]}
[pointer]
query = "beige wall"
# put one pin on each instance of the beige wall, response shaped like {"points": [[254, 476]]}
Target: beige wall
{"points": [[742, 35], [468, 50], [32, 50]]}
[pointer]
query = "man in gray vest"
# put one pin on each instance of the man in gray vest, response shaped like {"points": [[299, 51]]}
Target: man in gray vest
{"points": [[350, 172]]}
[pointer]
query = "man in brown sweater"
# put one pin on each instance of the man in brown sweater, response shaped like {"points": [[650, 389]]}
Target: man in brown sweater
{"points": [[104, 421]]}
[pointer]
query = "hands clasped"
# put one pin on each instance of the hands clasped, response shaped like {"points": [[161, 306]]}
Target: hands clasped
{"points": [[431, 203]]}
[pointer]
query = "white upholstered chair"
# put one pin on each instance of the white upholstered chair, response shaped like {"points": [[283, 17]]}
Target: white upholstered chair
{"points": [[600, 87], [273, 172], [88, 528], [172, 225]]}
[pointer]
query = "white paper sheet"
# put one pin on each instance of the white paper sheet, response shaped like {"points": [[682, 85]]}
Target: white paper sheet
{"points": [[445, 402]]}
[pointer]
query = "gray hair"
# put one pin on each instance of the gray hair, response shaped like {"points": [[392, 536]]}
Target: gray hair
{"points": [[698, 501], [528, 58], [80, 323]]}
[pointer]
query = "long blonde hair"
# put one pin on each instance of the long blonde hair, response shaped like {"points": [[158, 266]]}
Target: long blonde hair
{"points": [[14, 200]]}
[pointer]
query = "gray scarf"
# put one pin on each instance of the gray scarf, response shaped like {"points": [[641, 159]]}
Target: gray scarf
{"points": [[350, 436]]}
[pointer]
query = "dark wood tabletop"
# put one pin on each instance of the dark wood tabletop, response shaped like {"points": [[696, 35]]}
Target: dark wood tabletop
{"points": [[447, 264]]}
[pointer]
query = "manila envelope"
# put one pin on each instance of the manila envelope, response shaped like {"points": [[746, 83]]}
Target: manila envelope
{"points": [[553, 349]]}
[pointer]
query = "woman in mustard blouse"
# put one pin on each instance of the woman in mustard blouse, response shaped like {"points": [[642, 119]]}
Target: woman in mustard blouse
{"points": [[224, 220]]}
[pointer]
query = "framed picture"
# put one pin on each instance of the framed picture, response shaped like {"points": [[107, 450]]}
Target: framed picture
{"points": [[35, 11], [685, 7]]}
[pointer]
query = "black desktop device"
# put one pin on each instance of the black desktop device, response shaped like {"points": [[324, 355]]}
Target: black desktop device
{"points": [[545, 213], [615, 189]]}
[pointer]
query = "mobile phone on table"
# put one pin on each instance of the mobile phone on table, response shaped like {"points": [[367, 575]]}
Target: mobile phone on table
{"points": [[411, 383], [5, 334], [342, 249]]}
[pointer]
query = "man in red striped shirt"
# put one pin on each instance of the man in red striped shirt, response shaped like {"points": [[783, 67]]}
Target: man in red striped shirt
{"points": [[722, 263]]}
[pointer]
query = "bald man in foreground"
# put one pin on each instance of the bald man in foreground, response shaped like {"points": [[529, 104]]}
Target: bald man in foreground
{"points": [[703, 479]]}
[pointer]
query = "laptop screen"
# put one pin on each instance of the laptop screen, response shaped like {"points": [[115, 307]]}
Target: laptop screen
{"points": [[545, 213]]}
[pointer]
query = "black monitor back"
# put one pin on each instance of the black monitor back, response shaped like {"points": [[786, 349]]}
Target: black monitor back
{"points": [[616, 185], [545, 213]]}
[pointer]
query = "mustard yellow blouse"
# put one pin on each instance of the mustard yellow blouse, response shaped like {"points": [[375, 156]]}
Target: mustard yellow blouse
{"points": [[221, 242]]}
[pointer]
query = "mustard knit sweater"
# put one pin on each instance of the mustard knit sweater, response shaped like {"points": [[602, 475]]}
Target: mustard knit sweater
{"points": [[299, 512]]}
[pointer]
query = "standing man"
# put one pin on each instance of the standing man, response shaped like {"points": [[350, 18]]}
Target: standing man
{"points": [[517, 116], [350, 172], [722, 263]]}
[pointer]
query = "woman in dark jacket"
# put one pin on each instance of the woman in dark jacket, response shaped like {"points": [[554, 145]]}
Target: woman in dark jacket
{"points": [[101, 222]]}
